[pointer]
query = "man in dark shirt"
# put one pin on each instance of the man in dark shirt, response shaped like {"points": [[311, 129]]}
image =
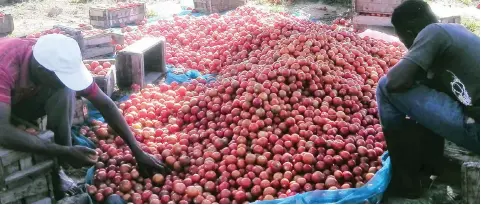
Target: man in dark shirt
{"points": [[41, 77], [435, 86]]}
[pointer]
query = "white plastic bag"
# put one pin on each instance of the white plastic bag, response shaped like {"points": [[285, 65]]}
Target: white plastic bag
{"points": [[379, 35]]}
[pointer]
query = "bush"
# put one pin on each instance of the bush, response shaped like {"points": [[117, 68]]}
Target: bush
{"points": [[341, 2]]}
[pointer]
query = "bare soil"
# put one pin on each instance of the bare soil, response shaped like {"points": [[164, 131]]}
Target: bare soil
{"points": [[32, 16]]}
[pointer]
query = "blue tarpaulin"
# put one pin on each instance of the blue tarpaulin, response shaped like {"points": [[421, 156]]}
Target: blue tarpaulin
{"points": [[183, 77]]}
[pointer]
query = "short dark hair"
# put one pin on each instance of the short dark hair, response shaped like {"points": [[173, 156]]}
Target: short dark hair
{"points": [[413, 14]]}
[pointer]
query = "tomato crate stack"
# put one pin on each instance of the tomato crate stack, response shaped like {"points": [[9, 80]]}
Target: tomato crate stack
{"points": [[25, 177], [374, 12], [103, 72], [141, 63], [6, 24], [95, 42], [217, 6], [107, 16]]}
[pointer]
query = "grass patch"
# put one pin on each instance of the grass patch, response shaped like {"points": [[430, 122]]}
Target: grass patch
{"points": [[465, 2], [151, 13], [471, 24], [345, 3]]}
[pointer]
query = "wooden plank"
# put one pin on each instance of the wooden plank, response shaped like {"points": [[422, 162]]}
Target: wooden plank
{"points": [[372, 20], [38, 185], [46, 200], [6, 24], [26, 163], [375, 6], [98, 51], [32, 172], [99, 39], [13, 157], [118, 38], [32, 199], [152, 77], [470, 182]]}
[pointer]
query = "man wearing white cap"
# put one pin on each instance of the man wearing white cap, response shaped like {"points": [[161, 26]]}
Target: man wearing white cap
{"points": [[41, 77]]}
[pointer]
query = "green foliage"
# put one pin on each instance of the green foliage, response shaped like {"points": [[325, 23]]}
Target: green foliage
{"points": [[471, 24], [465, 2], [346, 3]]}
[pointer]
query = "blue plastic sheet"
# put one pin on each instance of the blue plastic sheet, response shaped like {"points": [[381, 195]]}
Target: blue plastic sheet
{"points": [[371, 192], [78, 139], [183, 77]]}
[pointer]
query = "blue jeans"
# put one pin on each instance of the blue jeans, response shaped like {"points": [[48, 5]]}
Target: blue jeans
{"points": [[432, 109]]}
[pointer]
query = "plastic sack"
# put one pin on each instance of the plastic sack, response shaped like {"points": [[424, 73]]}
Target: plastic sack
{"points": [[371, 192], [93, 113]]}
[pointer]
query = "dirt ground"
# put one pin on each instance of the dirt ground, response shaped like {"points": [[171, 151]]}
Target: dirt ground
{"points": [[37, 15]]}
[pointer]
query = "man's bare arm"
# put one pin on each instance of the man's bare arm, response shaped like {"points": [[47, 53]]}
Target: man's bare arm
{"points": [[111, 114], [16, 139]]}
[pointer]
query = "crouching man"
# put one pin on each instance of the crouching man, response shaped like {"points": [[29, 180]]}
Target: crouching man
{"points": [[430, 95], [41, 77]]}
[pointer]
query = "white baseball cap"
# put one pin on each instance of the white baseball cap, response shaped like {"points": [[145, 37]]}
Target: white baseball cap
{"points": [[61, 54]]}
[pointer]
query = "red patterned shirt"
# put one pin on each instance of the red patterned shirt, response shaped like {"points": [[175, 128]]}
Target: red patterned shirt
{"points": [[15, 83]]}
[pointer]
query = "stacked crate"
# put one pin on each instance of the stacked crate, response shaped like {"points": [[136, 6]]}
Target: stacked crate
{"points": [[6, 24], [105, 16], [141, 63], [92, 42], [25, 177], [105, 82], [217, 6], [374, 12], [96, 42]]}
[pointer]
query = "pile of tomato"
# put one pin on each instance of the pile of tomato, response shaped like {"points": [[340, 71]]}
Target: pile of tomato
{"points": [[293, 110]]}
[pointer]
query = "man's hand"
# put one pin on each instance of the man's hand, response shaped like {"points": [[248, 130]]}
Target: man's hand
{"points": [[149, 165], [79, 156]]}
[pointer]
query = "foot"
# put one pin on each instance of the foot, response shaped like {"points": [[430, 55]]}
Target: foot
{"points": [[68, 185], [406, 187]]}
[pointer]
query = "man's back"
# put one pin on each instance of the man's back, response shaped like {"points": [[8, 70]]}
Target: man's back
{"points": [[449, 53]]}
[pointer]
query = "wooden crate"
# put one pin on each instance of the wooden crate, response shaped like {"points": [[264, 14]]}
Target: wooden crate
{"points": [[6, 24], [141, 63], [106, 83], [26, 177], [105, 17], [92, 42], [104, 50], [217, 6], [359, 20], [375, 6], [73, 33], [81, 111], [450, 19], [470, 182]]}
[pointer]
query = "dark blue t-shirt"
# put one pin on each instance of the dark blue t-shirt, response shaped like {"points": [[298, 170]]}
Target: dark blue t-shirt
{"points": [[449, 53]]}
